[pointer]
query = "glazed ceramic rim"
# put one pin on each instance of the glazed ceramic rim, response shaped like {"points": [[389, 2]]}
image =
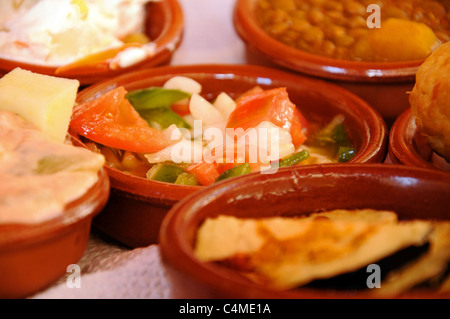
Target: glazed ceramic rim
{"points": [[177, 254], [372, 150], [255, 37], [169, 39], [402, 149], [86, 206]]}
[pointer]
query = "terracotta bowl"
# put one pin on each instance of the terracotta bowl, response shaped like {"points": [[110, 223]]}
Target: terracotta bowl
{"points": [[408, 147], [164, 24], [137, 205], [32, 257], [383, 85], [410, 192]]}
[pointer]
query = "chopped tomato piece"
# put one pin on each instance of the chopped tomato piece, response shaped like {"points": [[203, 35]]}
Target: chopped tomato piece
{"points": [[253, 90], [206, 173], [222, 167], [181, 109], [270, 105], [112, 121], [298, 116], [297, 128]]}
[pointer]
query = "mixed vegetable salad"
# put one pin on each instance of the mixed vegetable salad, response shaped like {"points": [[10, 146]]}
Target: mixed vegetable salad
{"points": [[172, 133]]}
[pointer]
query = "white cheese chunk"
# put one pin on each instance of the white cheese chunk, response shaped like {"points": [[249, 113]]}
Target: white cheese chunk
{"points": [[46, 101]]}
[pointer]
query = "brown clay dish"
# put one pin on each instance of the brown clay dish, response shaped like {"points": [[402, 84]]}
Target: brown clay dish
{"points": [[408, 147], [32, 257], [383, 85], [137, 205], [164, 24], [409, 191]]}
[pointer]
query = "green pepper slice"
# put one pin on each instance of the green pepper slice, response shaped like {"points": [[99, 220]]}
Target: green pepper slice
{"points": [[154, 105], [155, 97], [294, 159], [236, 171], [164, 172], [186, 179], [162, 118]]}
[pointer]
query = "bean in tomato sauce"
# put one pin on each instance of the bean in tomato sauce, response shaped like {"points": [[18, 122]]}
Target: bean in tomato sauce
{"points": [[339, 29]]}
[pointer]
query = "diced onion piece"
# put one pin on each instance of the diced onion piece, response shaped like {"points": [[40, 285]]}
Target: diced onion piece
{"points": [[273, 141], [184, 151], [225, 104], [203, 110], [184, 84], [175, 133]]}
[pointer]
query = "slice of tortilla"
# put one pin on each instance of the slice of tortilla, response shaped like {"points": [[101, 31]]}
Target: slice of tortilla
{"points": [[327, 249], [288, 252], [247, 239], [225, 236], [428, 267]]}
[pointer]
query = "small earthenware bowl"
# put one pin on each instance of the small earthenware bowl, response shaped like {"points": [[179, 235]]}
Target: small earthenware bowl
{"points": [[408, 147], [32, 257], [411, 192], [164, 26], [137, 206], [382, 85]]}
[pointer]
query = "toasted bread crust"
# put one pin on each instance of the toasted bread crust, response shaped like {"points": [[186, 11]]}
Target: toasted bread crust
{"points": [[430, 100]]}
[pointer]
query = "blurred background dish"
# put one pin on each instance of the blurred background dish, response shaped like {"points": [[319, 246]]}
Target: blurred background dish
{"points": [[407, 146], [421, 135], [412, 193], [138, 205], [429, 101], [32, 257], [164, 23], [331, 41]]}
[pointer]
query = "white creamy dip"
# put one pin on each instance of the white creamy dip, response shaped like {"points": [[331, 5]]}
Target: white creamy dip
{"points": [[57, 32], [38, 176]]}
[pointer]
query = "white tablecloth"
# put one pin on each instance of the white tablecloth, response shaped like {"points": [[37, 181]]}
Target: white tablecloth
{"points": [[209, 35]]}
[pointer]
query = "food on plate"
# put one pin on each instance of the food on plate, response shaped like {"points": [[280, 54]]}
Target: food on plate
{"points": [[389, 42], [57, 33], [39, 176], [430, 101], [178, 134], [41, 171], [46, 101], [331, 250], [431, 266], [356, 30]]}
